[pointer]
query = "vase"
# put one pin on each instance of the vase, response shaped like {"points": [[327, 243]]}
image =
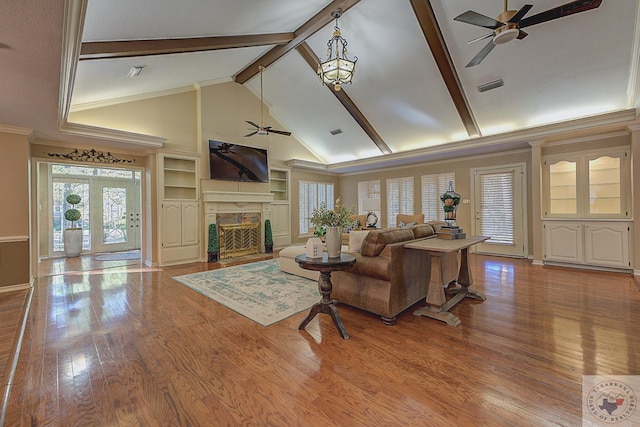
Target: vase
{"points": [[334, 241], [73, 242]]}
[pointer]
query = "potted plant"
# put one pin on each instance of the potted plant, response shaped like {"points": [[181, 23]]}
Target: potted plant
{"points": [[332, 221], [73, 234], [212, 248], [268, 237]]}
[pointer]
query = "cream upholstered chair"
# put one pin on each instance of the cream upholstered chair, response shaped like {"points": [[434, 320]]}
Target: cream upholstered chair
{"points": [[408, 219]]}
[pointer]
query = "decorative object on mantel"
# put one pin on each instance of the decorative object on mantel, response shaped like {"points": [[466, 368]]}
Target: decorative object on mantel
{"points": [[333, 220], [91, 156], [73, 235], [212, 248], [268, 237], [450, 201], [337, 69], [371, 205], [314, 248]]}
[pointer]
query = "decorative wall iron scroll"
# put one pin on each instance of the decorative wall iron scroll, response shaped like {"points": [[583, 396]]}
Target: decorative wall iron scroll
{"points": [[91, 156]]}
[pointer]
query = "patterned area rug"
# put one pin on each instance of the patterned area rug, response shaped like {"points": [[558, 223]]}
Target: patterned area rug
{"points": [[259, 290]]}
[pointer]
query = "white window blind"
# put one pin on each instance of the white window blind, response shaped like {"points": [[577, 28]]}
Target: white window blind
{"points": [[432, 186], [368, 190], [496, 206], [311, 194], [399, 198]]}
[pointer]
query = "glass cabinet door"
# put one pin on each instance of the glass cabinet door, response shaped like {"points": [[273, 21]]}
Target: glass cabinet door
{"points": [[605, 193], [563, 188]]}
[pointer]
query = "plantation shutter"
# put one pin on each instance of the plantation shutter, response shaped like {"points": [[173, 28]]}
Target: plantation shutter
{"points": [[311, 194], [432, 186], [399, 198], [496, 206]]}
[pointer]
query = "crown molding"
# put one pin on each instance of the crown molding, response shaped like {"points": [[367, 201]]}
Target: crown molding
{"points": [[16, 130], [138, 139], [132, 98]]}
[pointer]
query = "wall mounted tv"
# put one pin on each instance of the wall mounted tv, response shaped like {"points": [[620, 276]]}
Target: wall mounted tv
{"points": [[232, 162]]}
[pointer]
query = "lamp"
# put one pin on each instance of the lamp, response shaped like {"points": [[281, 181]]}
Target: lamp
{"points": [[371, 205], [337, 69]]}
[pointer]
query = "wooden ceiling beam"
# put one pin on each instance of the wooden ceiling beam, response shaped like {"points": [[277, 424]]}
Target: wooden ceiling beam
{"points": [[431, 30], [312, 59], [317, 22], [133, 48]]}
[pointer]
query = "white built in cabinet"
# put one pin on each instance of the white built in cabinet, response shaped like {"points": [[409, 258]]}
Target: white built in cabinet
{"points": [[588, 243], [280, 207], [586, 217], [179, 218]]}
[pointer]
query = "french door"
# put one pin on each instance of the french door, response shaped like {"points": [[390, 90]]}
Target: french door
{"points": [[499, 211], [116, 225]]}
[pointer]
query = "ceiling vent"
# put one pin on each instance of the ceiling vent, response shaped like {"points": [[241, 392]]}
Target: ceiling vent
{"points": [[491, 85], [135, 70], [335, 132]]}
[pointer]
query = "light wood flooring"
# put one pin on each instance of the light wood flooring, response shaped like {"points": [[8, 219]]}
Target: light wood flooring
{"points": [[129, 346]]}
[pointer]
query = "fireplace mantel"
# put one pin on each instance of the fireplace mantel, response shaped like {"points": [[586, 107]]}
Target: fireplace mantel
{"points": [[234, 197]]}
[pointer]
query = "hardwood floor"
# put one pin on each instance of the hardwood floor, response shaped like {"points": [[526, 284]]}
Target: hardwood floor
{"points": [[130, 346]]}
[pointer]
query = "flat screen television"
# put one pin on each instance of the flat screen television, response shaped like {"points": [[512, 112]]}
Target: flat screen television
{"points": [[232, 162]]}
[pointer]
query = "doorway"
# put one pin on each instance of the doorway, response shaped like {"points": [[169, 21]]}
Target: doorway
{"points": [[499, 195], [110, 207]]}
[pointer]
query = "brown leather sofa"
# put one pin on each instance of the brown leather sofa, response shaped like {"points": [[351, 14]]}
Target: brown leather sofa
{"points": [[387, 278]]}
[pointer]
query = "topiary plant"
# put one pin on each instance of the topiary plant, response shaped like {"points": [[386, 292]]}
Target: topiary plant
{"points": [[73, 214], [268, 237], [212, 248]]}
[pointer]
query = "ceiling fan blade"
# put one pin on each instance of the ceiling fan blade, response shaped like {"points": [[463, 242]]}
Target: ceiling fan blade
{"points": [[251, 134], [252, 124], [280, 132], [522, 34], [474, 18], [520, 14], [560, 11], [482, 54], [486, 36]]}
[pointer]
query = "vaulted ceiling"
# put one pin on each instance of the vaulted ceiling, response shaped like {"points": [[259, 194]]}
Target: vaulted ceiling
{"points": [[412, 94]]}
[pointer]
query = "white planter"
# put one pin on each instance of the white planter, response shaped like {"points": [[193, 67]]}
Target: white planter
{"points": [[73, 242], [334, 241]]}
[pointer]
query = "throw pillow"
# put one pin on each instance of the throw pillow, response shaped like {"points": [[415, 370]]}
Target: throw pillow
{"points": [[351, 226], [356, 238], [404, 224]]}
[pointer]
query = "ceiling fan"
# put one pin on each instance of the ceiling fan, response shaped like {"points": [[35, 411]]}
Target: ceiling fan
{"points": [[261, 129], [507, 26]]}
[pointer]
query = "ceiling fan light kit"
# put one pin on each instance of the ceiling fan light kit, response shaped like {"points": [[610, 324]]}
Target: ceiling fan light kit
{"points": [[508, 25], [338, 69]]}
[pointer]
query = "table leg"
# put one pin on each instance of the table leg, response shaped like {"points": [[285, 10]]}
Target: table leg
{"points": [[326, 305], [465, 279], [437, 304]]}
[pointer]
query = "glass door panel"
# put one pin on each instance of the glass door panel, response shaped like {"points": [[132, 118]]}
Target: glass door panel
{"points": [[119, 225]]}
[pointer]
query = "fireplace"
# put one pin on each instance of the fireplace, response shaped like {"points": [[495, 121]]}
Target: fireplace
{"points": [[240, 216]]}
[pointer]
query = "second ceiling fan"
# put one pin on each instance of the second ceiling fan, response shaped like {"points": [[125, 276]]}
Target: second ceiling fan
{"points": [[508, 25], [261, 129]]}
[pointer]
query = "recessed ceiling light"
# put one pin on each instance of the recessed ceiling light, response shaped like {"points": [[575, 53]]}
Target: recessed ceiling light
{"points": [[135, 70]]}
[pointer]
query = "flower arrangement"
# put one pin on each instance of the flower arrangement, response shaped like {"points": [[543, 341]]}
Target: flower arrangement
{"points": [[339, 216]]}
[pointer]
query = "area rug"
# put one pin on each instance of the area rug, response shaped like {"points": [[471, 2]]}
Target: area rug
{"points": [[118, 256], [258, 291]]}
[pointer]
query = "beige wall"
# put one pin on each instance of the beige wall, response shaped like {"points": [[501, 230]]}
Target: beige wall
{"points": [[15, 210]]}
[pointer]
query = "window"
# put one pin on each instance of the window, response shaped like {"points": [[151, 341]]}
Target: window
{"points": [[311, 194], [587, 185], [432, 186], [399, 198]]}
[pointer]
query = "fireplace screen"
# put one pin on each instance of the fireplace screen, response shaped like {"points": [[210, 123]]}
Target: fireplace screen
{"points": [[239, 239]]}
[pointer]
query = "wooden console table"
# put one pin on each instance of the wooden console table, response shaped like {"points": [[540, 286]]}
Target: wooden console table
{"points": [[325, 266], [438, 307]]}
